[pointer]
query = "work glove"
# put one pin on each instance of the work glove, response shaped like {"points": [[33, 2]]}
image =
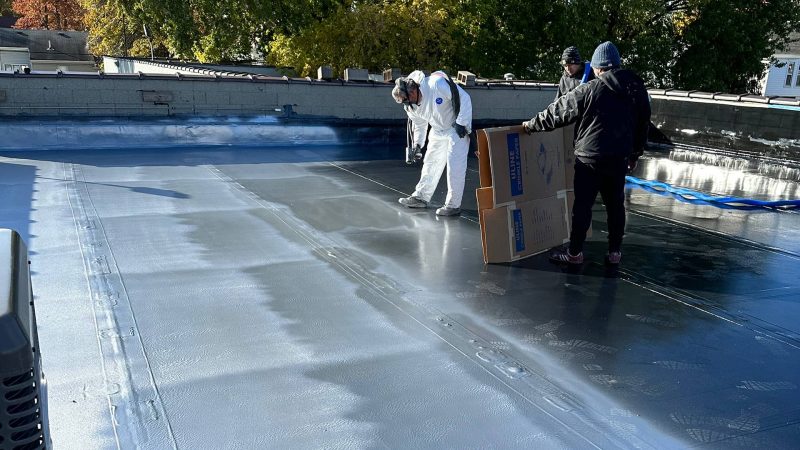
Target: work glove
{"points": [[413, 154], [461, 130], [528, 127]]}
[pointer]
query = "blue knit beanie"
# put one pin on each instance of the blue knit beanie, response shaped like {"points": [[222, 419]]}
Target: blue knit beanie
{"points": [[606, 56]]}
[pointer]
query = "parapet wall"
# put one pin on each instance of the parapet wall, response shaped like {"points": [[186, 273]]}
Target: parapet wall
{"points": [[126, 96], [748, 124]]}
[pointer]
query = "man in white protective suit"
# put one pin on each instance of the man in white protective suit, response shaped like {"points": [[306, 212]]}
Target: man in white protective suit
{"points": [[437, 101]]}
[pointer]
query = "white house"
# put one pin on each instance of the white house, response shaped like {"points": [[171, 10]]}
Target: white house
{"points": [[119, 64], [784, 81], [14, 59], [46, 50]]}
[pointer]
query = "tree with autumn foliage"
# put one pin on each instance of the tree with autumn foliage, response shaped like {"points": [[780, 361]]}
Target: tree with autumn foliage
{"points": [[49, 14]]}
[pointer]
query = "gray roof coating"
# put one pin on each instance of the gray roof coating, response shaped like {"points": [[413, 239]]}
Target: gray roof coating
{"points": [[49, 45], [280, 297]]}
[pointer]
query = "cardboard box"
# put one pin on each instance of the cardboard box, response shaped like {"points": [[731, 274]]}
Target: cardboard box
{"points": [[513, 232], [521, 167], [522, 201]]}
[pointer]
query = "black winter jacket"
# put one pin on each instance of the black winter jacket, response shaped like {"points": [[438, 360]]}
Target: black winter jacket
{"points": [[611, 116], [569, 82]]}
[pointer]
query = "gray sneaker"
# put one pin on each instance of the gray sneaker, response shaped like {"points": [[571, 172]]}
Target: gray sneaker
{"points": [[413, 202], [447, 211]]}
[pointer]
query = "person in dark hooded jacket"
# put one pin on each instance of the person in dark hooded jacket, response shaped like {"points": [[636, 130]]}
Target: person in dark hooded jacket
{"points": [[576, 71], [611, 115]]}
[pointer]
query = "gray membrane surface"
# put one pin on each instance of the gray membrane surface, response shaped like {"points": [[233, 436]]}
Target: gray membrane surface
{"points": [[282, 298]]}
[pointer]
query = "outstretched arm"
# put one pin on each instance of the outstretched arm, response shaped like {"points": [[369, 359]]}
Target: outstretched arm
{"points": [[562, 112]]}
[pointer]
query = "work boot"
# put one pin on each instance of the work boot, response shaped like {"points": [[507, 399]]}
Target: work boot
{"points": [[563, 256], [613, 258], [413, 202], [447, 211]]}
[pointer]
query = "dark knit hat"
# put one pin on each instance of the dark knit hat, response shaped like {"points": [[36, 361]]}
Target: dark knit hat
{"points": [[571, 56], [606, 56]]}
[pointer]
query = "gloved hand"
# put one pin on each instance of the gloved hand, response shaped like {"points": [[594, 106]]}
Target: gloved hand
{"points": [[528, 127], [413, 154], [461, 130]]}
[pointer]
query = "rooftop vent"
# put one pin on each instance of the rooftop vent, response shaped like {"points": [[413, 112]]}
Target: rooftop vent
{"points": [[23, 391]]}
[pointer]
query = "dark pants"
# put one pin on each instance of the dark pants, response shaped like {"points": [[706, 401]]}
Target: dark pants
{"points": [[608, 178]]}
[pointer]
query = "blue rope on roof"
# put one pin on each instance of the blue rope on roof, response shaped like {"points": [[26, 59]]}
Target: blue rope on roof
{"points": [[700, 198]]}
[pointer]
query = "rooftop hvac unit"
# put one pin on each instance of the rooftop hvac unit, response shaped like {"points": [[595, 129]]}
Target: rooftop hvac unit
{"points": [[23, 392], [324, 72], [465, 78], [354, 74], [389, 75]]}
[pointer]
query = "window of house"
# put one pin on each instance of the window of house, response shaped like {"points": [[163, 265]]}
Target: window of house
{"points": [[789, 74], [14, 67], [797, 80]]}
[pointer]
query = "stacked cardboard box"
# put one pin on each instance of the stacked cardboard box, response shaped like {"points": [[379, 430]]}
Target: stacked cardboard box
{"points": [[525, 195]]}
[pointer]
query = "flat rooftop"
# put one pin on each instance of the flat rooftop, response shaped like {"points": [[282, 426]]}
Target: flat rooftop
{"points": [[243, 297]]}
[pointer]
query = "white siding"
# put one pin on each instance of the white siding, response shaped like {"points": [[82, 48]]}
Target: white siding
{"points": [[122, 65], [11, 59], [775, 83], [64, 66]]}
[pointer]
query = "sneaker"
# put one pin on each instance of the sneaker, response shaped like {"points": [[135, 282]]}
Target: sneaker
{"points": [[563, 256], [613, 257], [447, 211], [413, 202]]}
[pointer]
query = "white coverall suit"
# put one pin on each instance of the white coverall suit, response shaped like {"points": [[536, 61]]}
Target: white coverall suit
{"points": [[444, 146]]}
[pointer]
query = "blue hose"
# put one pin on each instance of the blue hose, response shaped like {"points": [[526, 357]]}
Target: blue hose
{"points": [[700, 198]]}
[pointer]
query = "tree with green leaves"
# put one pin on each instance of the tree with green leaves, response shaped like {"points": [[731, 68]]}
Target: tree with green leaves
{"points": [[690, 44], [372, 35], [643, 30], [222, 30], [713, 45], [489, 37], [723, 44], [114, 30], [523, 37]]}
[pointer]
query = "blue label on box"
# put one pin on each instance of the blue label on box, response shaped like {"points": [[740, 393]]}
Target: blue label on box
{"points": [[514, 163], [519, 230]]}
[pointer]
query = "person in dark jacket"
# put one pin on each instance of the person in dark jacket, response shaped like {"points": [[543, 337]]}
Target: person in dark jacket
{"points": [[612, 116], [576, 71]]}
